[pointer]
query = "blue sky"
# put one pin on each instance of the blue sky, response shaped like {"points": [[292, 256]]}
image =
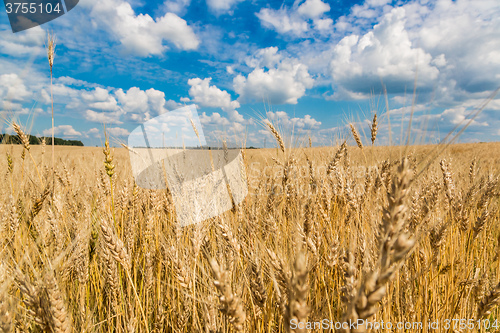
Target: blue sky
{"points": [[309, 66]]}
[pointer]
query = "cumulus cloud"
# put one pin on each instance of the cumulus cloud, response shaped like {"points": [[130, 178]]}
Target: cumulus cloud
{"points": [[215, 119], [281, 21], [172, 105], [465, 35], [268, 57], [65, 130], [297, 20], [283, 82], [386, 53], [176, 6], [453, 45], [362, 16], [26, 42], [461, 115], [156, 100], [105, 118], [69, 81], [204, 94], [99, 99], [93, 102], [134, 100], [117, 131], [142, 35], [116, 106], [12, 88], [14, 94], [313, 8], [93, 131], [283, 119], [209, 95], [220, 6]]}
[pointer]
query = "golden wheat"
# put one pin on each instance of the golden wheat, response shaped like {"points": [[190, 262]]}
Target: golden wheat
{"points": [[335, 233]]}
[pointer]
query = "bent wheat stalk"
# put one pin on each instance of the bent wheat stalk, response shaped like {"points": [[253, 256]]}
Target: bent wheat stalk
{"points": [[395, 245], [232, 306]]}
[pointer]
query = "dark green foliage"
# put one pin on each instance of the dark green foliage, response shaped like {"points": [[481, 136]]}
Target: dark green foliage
{"points": [[14, 139]]}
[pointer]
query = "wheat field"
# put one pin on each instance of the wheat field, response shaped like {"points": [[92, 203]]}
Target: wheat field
{"points": [[343, 233]]}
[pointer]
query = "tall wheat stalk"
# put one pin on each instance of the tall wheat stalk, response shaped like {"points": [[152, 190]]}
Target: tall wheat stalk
{"points": [[51, 46], [277, 135]]}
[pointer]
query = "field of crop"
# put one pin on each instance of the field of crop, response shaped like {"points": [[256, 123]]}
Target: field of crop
{"points": [[393, 234]]}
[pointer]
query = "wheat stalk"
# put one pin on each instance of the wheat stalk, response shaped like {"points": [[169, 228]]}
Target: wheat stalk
{"points": [[232, 306], [374, 128], [51, 48], [277, 136], [298, 290], [488, 302], [26, 145], [60, 317], [395, 245], [355, 134]]}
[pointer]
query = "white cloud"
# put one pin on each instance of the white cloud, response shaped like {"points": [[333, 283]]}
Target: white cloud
{"points": [[100, 99], [12, 88], [298, 20], [385, 53], [281, 21], [283, 83], [97, 95], [14, 95], [176, 6], [117, 131], [306, 123], [465, 34], [103, 117], [172, 105], [209, 95], [156, 100], [93, 131], [64, 130], [26, 42], [220, 6], [108, 105], [283, 119], [215, 119], [268, 57], [460, 115], [456, 44], [141, 34], [69, 81], [132, 101], [363, 16], [313, 8], [134, 104]]}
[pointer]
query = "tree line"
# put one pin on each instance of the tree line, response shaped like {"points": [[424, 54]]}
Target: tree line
{"points": [[34, 140]]}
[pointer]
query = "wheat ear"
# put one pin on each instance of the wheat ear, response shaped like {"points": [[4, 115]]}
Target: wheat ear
{"points": [[51, 48], [298, 290], [488, 302], [356, 136], [232, 306], [60, 317], [396, 244], [374, 128], [277, 136]]}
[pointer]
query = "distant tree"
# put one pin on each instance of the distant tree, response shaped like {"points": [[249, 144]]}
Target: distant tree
{"points": [[34, 140]]}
